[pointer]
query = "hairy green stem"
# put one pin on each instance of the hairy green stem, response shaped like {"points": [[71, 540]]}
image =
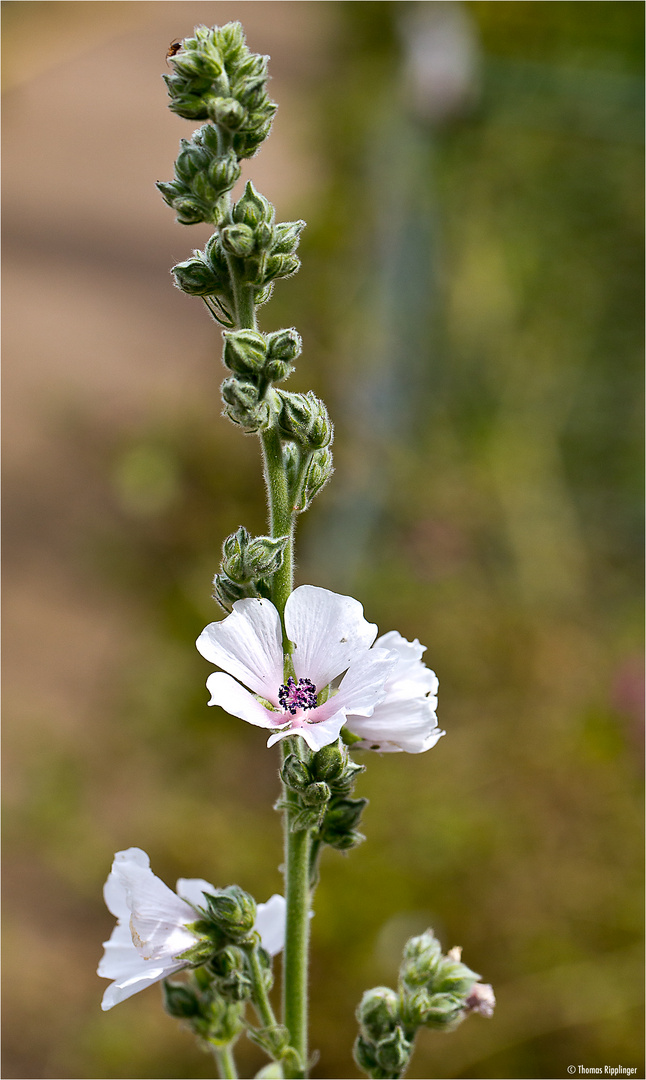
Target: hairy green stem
{"points": [[297, 858], [297, 844], [226, 1065], [261, 1001]]}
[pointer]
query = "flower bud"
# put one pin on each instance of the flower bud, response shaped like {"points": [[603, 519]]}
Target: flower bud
{"points": [[442, 1011], [242, 405], [239, 240], [195, 277], [190, 161], [284, 345], [180, 1000], [224, 172], [304, 419], [364, 1055], [453, 978], [253, 208], [246, 559], [378, 1013], [244, 352], [481, 1000], [329, 762], [264, 236], [281, 266], [393, 1052], [233, 911], [287, 235], [295, 773], [227, 112], [316, 794], [422, 956], [345, 814], [226, 591]]}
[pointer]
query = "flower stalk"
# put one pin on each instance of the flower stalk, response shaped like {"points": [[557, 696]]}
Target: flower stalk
{"points": [[303, 663]]}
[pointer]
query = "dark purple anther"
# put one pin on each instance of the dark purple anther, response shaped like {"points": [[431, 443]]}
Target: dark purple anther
{"points": [[293, 697]]}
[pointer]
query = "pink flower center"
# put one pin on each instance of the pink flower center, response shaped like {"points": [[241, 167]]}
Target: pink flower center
{"points": [[294, 696]]}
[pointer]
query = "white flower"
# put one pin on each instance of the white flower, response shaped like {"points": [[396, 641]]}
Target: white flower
{"points": [[331, 638], [405, 719], [152, 925]]}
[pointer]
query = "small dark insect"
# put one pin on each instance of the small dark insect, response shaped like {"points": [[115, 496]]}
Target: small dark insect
{"points": [[173, 48]]}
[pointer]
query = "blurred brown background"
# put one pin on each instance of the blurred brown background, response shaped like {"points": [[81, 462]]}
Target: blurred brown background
{"points": [[471, 306]]}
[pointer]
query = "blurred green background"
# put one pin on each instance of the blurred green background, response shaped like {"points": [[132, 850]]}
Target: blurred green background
{"points": [[471, 306]]}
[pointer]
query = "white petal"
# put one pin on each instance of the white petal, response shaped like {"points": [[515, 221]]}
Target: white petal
{"points": [[411, 726], [114, 891], [138, 980], [411, 676], [315, 735], [233, 697], [362, 687], [192, 890], [249, 645], [157, 916], [328, 630], [270, 923]]}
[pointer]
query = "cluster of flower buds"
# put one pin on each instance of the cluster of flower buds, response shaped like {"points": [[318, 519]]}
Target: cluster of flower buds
{"points": [[248, 563], [203, 174], [435, 991], [204, 1010], [322, 785], [251, 246], [215, 77]]}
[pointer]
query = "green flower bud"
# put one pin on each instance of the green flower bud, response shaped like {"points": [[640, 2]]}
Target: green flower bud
{"points": [[281, 266], [239, 240], [233, 911], [180, 1000], [171, 190], [244, 352], [318, 474], [284, 345], [329, 762], [224, 172], [304, 419], [316, 794], [264, 234], [242, 405], [195, 277], [378, 1013], [344, 815], [295, 773], [393, 1052], [442, 1011], [364, 1055], [226, 591], [190, 161], [253, 208], [422, 957], [227, 112], [287, 235], [453, 977], [246, 559]]}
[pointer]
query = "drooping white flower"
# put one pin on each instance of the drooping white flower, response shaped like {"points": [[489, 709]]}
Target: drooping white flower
{"points": [[152, 925], [405, 718], [331, 638]]}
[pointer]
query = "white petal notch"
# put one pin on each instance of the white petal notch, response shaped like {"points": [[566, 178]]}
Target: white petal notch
{"points": [[152, 930]]}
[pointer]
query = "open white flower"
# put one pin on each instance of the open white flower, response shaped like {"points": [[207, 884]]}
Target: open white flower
{"points": [[152, 925], [331, 638], [405, 719]]}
